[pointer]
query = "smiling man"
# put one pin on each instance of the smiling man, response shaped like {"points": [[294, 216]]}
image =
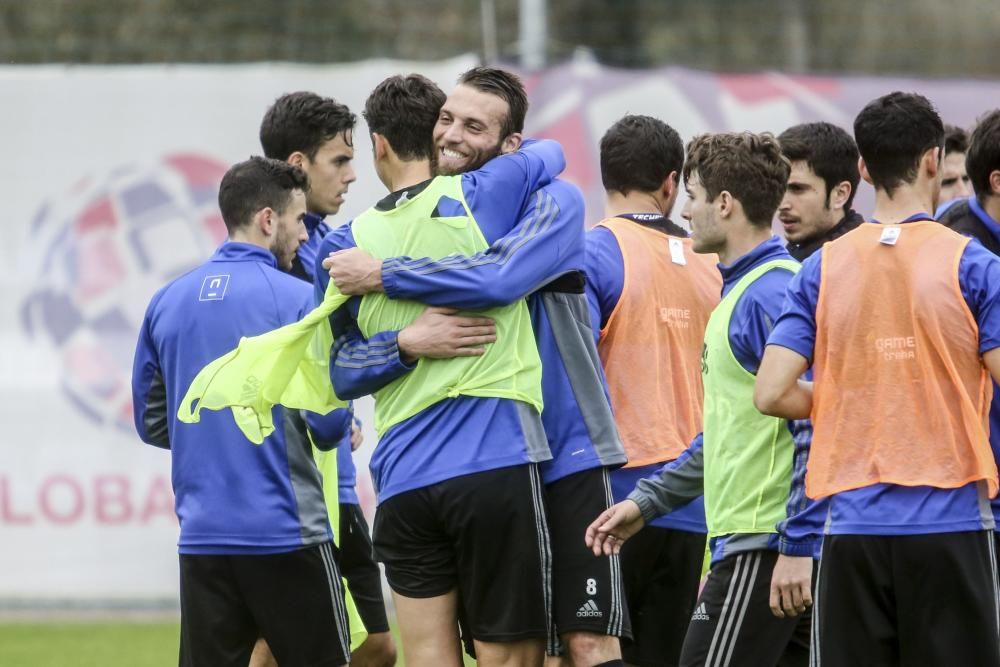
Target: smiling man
{"points": [[542, 257], [816, 207]]}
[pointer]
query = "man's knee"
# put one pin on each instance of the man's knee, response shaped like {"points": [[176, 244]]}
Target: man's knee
{"points": [[378, 650], [586, 649], [510, 654]]}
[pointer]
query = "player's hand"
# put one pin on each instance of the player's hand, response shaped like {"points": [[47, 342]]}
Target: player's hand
{"points": [[354, 271], [615, 525], [791, 590], [440, 333], [357, 437]]}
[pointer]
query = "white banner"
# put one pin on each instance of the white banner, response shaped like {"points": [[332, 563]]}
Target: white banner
{"points": [[110, 179]]}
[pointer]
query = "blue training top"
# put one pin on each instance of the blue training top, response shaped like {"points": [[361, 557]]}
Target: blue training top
{"points": [[457, 436], [231, 496], [889, 509]]}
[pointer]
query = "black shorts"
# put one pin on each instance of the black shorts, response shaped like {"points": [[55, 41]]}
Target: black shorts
{"points": [[589, 592], [908, 600], [293, 600], [358, 567], [732, 623], [662, 570], [484, 535]]}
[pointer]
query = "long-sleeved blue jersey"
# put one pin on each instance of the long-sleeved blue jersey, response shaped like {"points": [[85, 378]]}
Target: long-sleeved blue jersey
{"points": [[889, 509], [232, 497], [457, 436], [681, 480], [540, 257]]}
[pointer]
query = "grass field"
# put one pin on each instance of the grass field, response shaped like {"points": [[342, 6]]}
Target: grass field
{"points": [[88, 644], [94, 645]]}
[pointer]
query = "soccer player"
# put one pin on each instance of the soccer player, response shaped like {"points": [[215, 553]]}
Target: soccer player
{"points": [[955, 183], [978, 216], [315, 134], [460, 513], [256, 556], [900, 320], [743, 461], [650, 298], [816, 207], [541, 257]]}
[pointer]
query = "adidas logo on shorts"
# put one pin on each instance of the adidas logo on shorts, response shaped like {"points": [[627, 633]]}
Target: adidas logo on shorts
{"points": [[700, 614], [589, 610]]}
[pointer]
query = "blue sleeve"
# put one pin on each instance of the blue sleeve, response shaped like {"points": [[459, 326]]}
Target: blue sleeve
{"points": [[754, 317], [149, 392], [546, 242], [979, 279], [329, 430], [801, 533], [605, 268], [796, 326], [502, 188], [358, 366]]}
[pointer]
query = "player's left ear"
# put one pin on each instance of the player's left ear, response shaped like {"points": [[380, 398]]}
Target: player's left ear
{"points": [[839, 195], [265, 221], [863, 168], [511, 143], [931, 161], [725, 204]]}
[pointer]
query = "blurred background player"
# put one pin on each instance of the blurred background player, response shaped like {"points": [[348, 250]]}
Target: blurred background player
{"points": [[955, 183], [315, 134], [978, 216], [540, 257], [816, 207], [256, 551], [749, 465], [900, 321], [650, 297], [461, 515]]}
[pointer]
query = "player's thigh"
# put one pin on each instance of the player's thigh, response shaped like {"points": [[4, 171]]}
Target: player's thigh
{"points": [[427, 627], [297, 598], [499, 528], [662, 572], [358, 567], [589, 591], [411, 540], [947, 582], [217, 628], [732, 623]]}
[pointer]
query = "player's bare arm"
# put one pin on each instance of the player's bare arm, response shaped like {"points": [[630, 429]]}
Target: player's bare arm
{"points": [[778, 391]]}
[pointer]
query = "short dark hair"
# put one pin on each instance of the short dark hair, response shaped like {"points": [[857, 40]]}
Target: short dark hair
{"points": [[255, 184], [749, 166], [303, 122], [404, 111], [828, 150], [956, 140], [505, 85], [893, 132], [983, 156], [638, 153]]}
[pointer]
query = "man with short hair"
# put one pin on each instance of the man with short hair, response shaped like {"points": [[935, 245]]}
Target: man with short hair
{"points": [[746, 463], [816, 207], [460, 518], [900, 322], [256, 552], [541, 257], [650, 297], [978, 216], [954, 175], [316, 134]]}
